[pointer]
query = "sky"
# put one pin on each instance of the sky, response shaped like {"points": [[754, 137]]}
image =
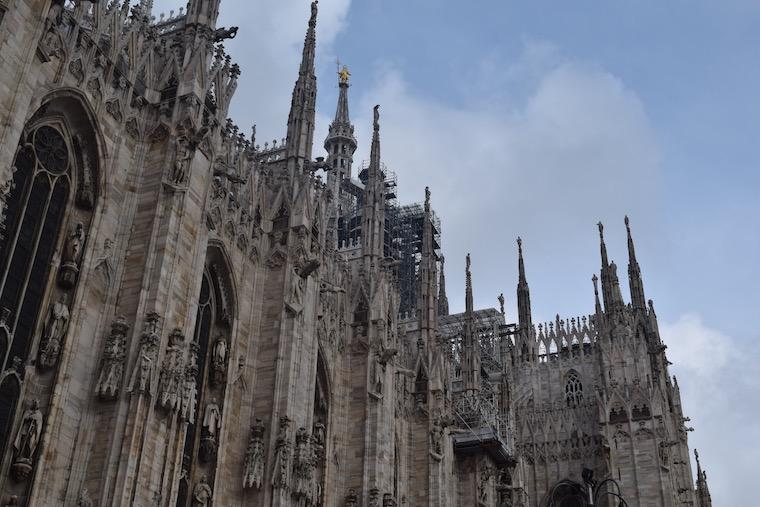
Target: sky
{"points": [[540, 118]]}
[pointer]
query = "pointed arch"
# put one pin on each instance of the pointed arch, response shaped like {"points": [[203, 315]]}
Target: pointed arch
{"points": [[10, 390], [573, 389]]}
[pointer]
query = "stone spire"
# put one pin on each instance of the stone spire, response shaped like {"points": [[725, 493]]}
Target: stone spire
{"points": [[426, 300], [634, 273], [373, 214], [597, 303], [523, 292], [443, 301], [470, 345], [703, 491], [607, 272], [340, 142], [302, 106]]}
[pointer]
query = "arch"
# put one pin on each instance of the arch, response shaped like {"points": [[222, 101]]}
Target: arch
{"points": [[56, 184], [573, 389]]}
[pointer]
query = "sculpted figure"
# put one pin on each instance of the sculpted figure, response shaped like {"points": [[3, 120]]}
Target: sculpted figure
{"points": [[55, 329], [219, 361], [303, 467], [27, 439], [202, 493], [212, 423], [112, 369], [172, 379], [72, 253], [253, 472], [182, 161], [281, 475]]}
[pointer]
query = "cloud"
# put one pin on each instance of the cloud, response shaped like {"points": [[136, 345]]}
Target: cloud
{"points": [[697, 349], [540, 164]]}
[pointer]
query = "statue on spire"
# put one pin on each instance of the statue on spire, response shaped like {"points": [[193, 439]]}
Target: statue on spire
{"points": [[377, 118], [344, 75], [314, 9]]}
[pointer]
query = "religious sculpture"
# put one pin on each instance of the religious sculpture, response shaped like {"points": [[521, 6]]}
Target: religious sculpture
{"points": [[142, 375], [26, 442], [253, 472], [184, 156], [202, 493], [172, 377], [303, 467], [212, 423], [219, 361], [352, 499], [84, 499], [190, 387], [71, 256], [114, 355], [281, 473], [53, 333], [374, 498]]}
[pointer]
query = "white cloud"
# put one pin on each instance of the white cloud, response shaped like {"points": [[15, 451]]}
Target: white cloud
{"points": [[695, 348]]}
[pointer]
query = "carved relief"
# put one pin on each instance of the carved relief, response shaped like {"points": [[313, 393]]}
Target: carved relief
{"points": [[253, 472], [114, 356], [303, 468], [190, 388]]}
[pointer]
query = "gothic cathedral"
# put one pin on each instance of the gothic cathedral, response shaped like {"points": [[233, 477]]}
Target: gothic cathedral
{"points": [[189, 318]]}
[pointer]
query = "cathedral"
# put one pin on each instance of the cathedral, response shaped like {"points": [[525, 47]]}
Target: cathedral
{"points": [[191, 318]]}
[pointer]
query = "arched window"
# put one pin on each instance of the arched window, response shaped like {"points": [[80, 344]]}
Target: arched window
{"points": [[36, 205], [573, 389], [541, 352], [207, 366]]}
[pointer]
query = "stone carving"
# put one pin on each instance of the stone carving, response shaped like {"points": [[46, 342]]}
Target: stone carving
{"points": [[142, 376], [253, 472], [85, 191], [53, 333], [281, 473], [84, 499], [27, 439], [72, 254], [190, 388], [219, 361], [172, 377], [374, 498], [114, 355], [212, 423], [388, 500], [202, 493], [303, 468], [318, 438], [352, 499], [436, 436], [183, 158]]}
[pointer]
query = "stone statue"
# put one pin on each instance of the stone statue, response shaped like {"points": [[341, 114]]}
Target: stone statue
{"points": [[303, 467], [281, 473], [84, 499], [319, 442], [388, 500], [501, 302], [219, 361], [185, 152], [212, 423], [71, 256], [172, 377], [189, 397], [53, 333], [253, 472], [112, 369], [436, 436], [141, 381], [27, 439], [202, 493]]}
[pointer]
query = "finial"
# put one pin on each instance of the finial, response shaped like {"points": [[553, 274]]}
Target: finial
{"points": [[377, 118], [344, 75], [519, 244], [427, 198], [601, 229], [595, 280], [314, 9], [501, 302], [468, 263], [627, 223]]}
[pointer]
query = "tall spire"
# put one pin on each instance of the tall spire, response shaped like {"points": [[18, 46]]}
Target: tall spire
{"points": [[703, 491], [468, 286], [470, 345], [426, 300], [200, 12], [443, 301], [605, 274], [597, 303], [340, 142], [523, 292], [302, 106], [373, 215], [634, 273]]}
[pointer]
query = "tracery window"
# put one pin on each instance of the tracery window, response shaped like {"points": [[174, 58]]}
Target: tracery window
{"points": [[35, 208], [573, 389]]}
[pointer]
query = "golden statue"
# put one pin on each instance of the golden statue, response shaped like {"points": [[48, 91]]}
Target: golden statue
{"points": [[344, 74]]}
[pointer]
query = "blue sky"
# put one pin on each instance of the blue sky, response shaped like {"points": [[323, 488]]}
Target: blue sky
{"points": [[540, 118]]}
